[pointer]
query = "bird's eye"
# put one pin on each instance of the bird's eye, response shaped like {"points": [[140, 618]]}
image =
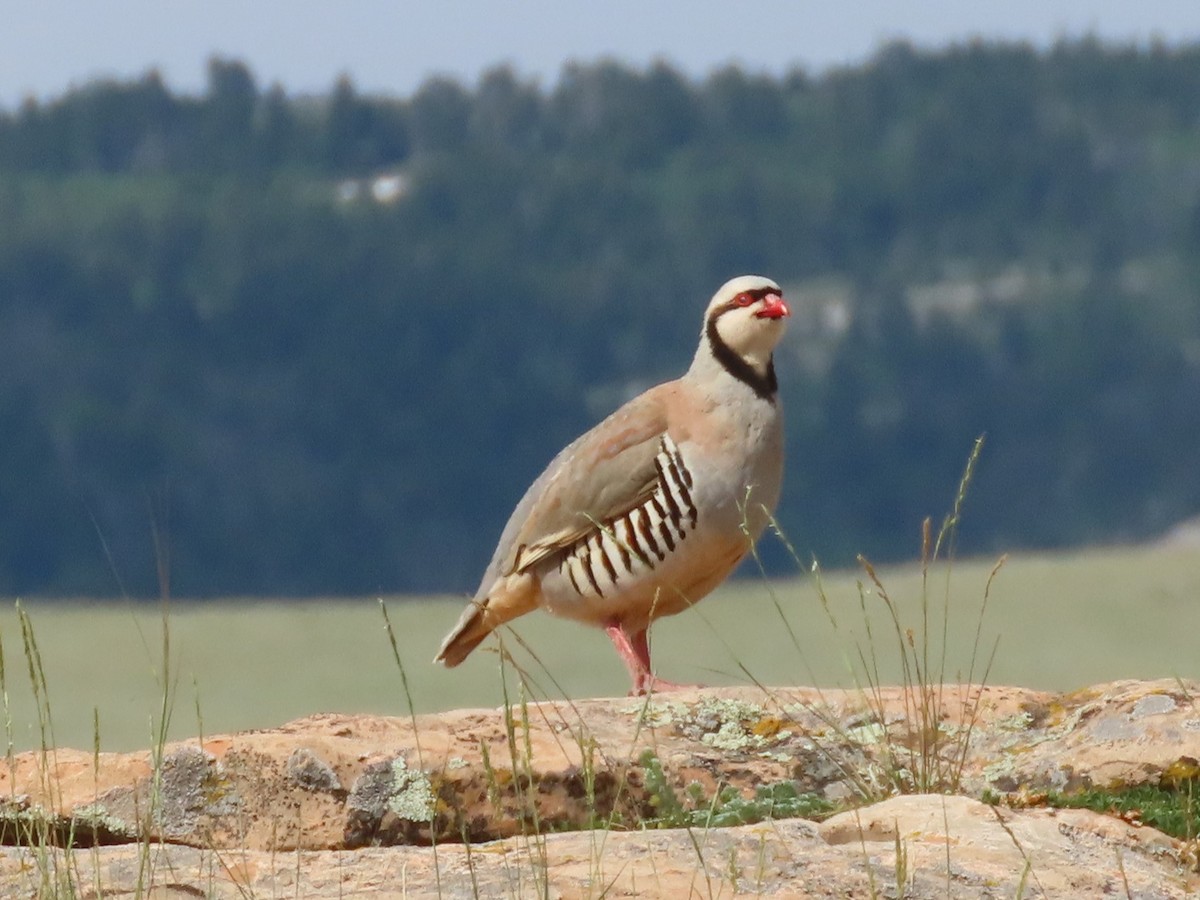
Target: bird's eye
{"points": [[745, 298]]}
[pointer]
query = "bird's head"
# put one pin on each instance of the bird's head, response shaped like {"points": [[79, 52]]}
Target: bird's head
{"points": [[747, 315]]}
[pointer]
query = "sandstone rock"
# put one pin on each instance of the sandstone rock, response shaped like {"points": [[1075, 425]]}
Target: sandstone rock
{"points": [[329, 798], [913, 846]]}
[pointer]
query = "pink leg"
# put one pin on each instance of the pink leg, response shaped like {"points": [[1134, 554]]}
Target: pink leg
{"points": [[635, 655], [634, 651]]}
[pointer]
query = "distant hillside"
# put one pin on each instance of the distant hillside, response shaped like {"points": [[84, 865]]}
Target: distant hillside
{"points": [[322, 344]]}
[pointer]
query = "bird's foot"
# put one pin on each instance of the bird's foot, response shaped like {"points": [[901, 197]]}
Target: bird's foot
{"points": [[651, 684], [635, 653]]}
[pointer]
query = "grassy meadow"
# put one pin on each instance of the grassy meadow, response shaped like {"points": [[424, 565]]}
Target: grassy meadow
{"points": [[1061, 621]]}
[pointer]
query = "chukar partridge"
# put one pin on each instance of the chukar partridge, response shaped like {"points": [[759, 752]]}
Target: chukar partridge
{"points": [[650, 510]]}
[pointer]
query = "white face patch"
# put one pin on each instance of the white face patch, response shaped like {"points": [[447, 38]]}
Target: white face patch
{"points": [[750, 337]]}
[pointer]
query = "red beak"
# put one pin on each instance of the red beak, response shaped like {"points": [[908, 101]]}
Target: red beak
{"points": [[773, 308]]}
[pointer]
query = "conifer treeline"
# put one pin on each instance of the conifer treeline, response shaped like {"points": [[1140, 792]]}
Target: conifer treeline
{"points": [[323, 343]]}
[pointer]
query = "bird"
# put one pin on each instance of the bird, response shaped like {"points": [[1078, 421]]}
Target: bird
{"points": [[650, 510]]}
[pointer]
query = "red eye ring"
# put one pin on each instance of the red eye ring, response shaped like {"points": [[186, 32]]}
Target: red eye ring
{"points": [[745, 298]]}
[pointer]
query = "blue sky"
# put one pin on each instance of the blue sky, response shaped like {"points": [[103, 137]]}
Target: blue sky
{"points": [[47, 45]]}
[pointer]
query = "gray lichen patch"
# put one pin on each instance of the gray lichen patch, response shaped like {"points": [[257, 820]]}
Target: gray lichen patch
{"points": [[31, 825], [730, 736], [310, 772], [390, 804], [867, 734], [656, 713], [1021, 721], [412, 793], [24, 824], [192, 785], [391, 786], [1153, 705], [96, 819], [371, 790], [1116, 728], [719, 722]]}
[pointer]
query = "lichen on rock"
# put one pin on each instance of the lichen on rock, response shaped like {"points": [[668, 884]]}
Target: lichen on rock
{"points": [[191, 785], [312, 773], [390, 803], [412, 793]]}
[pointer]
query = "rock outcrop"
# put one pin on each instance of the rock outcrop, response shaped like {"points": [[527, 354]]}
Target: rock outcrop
{"points": [[556, 798]]}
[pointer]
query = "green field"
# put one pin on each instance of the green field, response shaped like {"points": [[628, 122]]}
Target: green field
{"points": [[1062, 621]]}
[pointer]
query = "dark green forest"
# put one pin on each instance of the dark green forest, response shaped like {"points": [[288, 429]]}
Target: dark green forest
{"points": [[260, 343]]}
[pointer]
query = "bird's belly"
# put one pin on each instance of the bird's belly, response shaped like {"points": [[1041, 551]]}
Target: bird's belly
{"points": [[635, 589]]}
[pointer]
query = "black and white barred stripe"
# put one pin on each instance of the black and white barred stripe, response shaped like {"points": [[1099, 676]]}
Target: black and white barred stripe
{"points": [[638, 541]]}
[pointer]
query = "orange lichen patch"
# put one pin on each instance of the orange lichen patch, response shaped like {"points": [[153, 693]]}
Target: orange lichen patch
{"points": [[1054, 714], [767, 726], [1073, 700], [502, 777], [1183, 770]]}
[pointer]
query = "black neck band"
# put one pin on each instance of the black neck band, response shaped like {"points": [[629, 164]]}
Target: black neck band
{"points": [[765, 385]]}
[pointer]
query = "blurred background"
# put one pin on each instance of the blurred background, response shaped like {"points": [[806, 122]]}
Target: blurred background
{"points": [[296, 298]]}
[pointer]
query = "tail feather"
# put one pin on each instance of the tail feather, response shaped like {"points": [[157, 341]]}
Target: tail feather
{"points": [[466, 636], [482, 617]]}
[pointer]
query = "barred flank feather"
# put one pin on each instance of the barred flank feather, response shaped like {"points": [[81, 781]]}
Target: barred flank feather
{"points": [[640, 539]]}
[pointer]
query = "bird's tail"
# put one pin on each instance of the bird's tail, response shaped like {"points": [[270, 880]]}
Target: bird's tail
{"points": [[482, 617]]}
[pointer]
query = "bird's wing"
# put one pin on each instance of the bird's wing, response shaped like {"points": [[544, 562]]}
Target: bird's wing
{"points": [[594, 480]]}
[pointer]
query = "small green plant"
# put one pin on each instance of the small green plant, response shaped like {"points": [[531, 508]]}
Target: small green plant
{"points": [[727, 807], [1172, 806], [669, 810], [903, 876], [1173, 810]]}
